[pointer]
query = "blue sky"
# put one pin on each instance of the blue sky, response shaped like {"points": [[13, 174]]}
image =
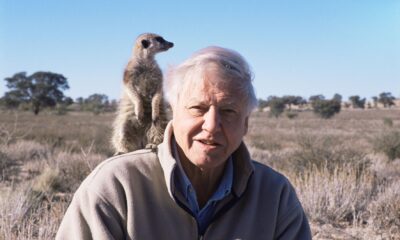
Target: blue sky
{"points": [[350, 47]]}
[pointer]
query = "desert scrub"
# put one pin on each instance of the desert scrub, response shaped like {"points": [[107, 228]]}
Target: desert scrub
{"points": [[73, 168], [6, 167], [388, 142], [388, 122], [337, 196], [25, 214], [292, 114], [25, 150], [48, 181], [325, 152], [385, 209], [264, 142]]}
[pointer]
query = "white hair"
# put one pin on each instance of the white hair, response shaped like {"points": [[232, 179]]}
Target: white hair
{"points": [[232, 67]]}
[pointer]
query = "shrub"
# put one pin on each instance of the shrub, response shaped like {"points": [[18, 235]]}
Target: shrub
{"points": [[74, 168], [61, 109], [276, 105], [264, 142], [6, 165], [325, 108], [324, 153], [388, 122], [25, 215], [291, 114], [26, 150], [385, 210], [48, 181], [357, 102], [388, 143], [337, 196]]}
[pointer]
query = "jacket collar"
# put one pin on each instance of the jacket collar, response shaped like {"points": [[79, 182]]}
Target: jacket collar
{"points": [[242, 166]]}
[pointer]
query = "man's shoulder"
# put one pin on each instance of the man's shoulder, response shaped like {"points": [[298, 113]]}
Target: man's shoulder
{"points": [[266, 173], [272, 183], [132, 159], [125, 167]]}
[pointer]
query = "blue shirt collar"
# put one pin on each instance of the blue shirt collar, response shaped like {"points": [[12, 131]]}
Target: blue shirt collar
{"points": [[186, 188]]}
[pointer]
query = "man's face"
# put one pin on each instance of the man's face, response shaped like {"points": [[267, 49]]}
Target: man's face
{"points": [[209, 122]]}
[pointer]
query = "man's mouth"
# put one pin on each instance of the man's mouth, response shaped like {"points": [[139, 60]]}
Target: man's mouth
{"points": [[208, 142]]}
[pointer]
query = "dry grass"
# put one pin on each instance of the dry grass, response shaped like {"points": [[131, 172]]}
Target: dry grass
{"points": [[347, 185], [29, 215]]}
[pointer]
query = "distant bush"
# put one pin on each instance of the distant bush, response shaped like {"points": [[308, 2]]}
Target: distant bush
{"points": [[276, 105], [386, 99], [261, 141], [61, 109], [388, 122], [291, 114], [262, 104], [325, 108], [388, 143], [325, 153], [357, 102]]}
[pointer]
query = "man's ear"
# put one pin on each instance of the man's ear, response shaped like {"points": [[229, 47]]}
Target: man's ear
{"points": [[145, 43]]}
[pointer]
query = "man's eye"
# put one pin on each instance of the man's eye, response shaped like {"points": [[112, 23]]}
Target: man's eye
{"points": [[229, 111], [196, 110]]}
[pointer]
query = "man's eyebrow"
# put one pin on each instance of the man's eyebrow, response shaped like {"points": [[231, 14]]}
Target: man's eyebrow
{"points": [[194, 101], [229, 101]]}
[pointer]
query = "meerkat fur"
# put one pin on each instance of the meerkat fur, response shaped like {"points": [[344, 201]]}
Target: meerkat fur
{"points": [[141, 117]]}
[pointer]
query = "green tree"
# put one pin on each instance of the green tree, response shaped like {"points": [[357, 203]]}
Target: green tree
{"points": [[67, 101], [375, 100], [386, 99], [96, 103], [325, 108], [337, 97], [293, 100], [262, 104], [314, 98], [357, 102], [39, 90], [276, 105]]}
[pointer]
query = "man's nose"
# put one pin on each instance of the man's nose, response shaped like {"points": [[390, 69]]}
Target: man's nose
{"points": [[212, 120]]}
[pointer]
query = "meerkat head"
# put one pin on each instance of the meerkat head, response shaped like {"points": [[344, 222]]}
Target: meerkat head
{"points": [[149, 44]]}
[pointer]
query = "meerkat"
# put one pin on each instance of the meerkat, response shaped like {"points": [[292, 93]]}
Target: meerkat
{"points": [[141, 117]]}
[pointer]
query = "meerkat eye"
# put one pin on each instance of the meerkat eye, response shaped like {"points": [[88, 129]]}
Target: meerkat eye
{"points": [[145, 43], [160, 39]]}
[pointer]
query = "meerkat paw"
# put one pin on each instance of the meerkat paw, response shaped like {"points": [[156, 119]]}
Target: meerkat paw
{"points": [[139, 115], [118, 153], [151, 146]]}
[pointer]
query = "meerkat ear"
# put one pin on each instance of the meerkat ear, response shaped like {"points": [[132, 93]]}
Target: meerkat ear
{"points": [[145, 43]]}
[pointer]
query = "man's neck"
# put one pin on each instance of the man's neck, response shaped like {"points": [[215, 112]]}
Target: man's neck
{"points": [[204, 181]]}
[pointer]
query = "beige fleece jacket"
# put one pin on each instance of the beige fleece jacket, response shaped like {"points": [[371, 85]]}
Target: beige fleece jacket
{"points": [[129, 197]]}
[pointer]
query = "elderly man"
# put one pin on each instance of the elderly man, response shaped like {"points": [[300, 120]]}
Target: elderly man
{"points": [[201, 182]]}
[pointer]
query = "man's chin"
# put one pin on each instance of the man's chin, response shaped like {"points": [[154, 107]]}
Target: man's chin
{"points": [[209, 162]]}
